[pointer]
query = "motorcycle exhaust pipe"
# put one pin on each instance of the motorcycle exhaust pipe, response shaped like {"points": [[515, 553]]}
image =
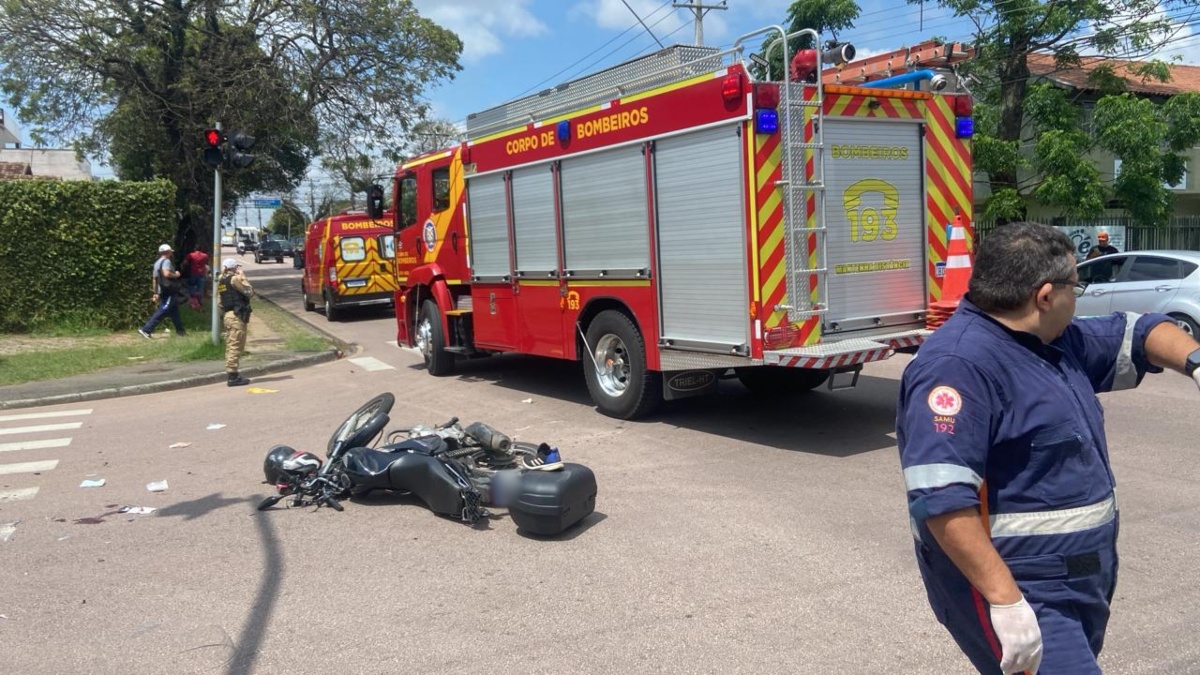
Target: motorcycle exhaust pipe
{"points": [[489, 438]]}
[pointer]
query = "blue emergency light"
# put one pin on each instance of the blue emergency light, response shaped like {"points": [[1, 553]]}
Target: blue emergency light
{"points": [[964, 127], [564, 131], [766, 121]]}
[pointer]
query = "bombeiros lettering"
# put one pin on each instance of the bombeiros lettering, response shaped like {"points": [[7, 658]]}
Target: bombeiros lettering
{"points": [[617, 121]]}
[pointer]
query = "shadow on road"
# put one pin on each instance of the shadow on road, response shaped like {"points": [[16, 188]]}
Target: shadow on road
{"points": [[249, 642], [835, 424]]}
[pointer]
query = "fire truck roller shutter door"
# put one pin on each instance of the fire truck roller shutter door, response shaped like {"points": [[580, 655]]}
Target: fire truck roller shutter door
{"points": [[488, 226], [605, 218], [875, 206], [702, 251], [533, 221]]}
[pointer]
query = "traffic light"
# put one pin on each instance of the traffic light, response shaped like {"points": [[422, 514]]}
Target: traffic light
{"points": [[375, 202], [212, 148], [238, 158]]}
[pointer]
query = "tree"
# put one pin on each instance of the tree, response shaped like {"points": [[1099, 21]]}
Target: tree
{"points": [[433, 135], [141, 81], [824, 16], [1012, 107], [288, 220]]}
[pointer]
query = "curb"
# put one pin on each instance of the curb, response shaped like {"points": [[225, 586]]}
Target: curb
{"points": [[281, 365]]}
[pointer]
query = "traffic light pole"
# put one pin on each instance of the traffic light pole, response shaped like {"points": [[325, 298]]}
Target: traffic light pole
{"points": [[216, 251]]}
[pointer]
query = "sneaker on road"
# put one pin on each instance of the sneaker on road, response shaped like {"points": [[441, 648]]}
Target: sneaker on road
{"points": [[145, 334], [547, 459]]}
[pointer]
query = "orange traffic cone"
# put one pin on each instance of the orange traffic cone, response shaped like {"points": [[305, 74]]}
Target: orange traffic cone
{"points": [[957, 275]]}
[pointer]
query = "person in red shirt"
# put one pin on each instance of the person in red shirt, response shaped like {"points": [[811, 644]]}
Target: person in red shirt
{"points": [[195, 265]]}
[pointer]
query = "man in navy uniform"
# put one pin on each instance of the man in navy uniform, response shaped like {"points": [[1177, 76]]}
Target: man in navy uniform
{"points": [[1001, 438]]}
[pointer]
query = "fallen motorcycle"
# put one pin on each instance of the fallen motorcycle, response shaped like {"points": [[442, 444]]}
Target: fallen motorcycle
{"points": [[456, 471]]}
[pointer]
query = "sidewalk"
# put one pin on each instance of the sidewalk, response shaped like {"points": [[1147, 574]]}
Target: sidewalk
{"points": [[266, 353]]}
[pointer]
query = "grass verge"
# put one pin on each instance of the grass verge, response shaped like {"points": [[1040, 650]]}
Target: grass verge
{"points": [[61, 351]]}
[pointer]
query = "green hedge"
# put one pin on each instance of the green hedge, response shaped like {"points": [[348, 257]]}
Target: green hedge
{"points": [[79, 253]]}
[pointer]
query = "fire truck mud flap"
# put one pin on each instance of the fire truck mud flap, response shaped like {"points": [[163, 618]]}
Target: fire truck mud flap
{"points": [[687, 383]]}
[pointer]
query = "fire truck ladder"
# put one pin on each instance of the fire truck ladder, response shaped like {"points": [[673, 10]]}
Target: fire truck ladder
{"points": [[802, 185]]}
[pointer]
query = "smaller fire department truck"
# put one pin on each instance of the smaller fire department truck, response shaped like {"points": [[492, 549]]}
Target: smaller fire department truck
{"points": [[347, 262], [671, 220]]}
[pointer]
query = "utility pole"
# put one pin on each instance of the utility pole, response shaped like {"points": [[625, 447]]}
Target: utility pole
{"points": [[699, 10], [216, 258]]}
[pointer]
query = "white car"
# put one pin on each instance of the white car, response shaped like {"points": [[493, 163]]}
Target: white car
{"points": [[1143, 281]]}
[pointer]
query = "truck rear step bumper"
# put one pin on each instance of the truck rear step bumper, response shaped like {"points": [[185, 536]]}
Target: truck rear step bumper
{"points": [[843, 353]]}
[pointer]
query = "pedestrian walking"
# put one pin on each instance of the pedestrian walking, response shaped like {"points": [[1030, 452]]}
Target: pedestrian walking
{"points": [[234, 292], [165, 292], [1002, 443]]}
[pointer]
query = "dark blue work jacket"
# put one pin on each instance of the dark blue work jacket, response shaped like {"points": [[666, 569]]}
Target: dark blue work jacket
{"points": [[993, 418]]}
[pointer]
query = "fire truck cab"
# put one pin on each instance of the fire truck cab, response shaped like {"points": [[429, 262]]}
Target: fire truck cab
{"points": [[672, 219]]}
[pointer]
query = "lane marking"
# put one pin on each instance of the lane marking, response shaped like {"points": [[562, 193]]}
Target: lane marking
{"points": [[371, 363], [42, 416], [7, 530], [35, 445], [40, 427], [28, 467], [18, 493]]}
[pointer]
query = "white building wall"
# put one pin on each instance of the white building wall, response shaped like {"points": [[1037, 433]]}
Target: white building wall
{"points": [[59, 163]]}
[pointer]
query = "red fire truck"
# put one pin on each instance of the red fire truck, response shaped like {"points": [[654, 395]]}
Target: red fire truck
{"points": [[673, 219]]}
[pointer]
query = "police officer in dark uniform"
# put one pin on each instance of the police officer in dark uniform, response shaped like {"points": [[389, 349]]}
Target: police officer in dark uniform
{"points": [[234, 292], [1001, 438]]}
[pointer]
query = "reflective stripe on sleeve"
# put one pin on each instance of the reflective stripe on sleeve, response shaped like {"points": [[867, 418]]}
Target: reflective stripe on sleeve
{"points": [[1064, 521], [927, 476], [1126, 376]]}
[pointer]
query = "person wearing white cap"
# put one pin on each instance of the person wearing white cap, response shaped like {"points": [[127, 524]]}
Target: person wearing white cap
{"points": [[234, 293], [164, 288]]}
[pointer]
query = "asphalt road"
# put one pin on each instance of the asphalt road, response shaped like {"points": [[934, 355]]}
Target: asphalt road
{"points": [[732, 535]]}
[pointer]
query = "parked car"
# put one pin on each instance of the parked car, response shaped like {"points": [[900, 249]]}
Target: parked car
{"points": [[271, 249], [1143, 281], [246, 244], [286, 245]]}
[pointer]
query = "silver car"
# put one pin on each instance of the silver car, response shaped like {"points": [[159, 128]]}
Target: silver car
{"points": [[1143, 281]]}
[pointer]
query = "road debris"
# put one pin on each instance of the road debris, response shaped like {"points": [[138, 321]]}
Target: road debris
{"points": [[99, 482], [527, 400], [178, 445], [214, 426], [157, 486], [137, 510], [261, 390]]}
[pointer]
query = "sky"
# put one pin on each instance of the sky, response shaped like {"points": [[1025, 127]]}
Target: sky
{"points": [[512, 48], [518, 47]]}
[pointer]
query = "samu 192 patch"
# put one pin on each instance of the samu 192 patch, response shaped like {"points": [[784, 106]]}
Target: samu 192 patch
{"points": [[945, 401]]}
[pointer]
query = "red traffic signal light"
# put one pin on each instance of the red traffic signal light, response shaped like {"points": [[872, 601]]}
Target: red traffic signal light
{"points": [[213, 138]]}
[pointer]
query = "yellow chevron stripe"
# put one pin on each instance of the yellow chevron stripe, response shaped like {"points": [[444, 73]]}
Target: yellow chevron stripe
{"points": [[753, 143]]}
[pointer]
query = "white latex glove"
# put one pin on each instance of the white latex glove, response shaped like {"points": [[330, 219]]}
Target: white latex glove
{"points": [[1020, 637]]}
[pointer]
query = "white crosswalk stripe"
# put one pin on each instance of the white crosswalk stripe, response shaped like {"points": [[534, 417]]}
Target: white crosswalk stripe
{"points": [[11, 425], [371, 363], [45, 415], [16, 494], [35, 445], [28, 467], [39, 428]]}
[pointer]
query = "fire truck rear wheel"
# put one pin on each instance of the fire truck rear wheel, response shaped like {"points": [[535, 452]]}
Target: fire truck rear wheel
{"points": [[777, 381], [616, 373], [431, 340], [331, 311]]}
